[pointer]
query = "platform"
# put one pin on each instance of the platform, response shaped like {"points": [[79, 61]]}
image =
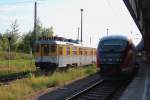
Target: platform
{"points": [[139, 88]]}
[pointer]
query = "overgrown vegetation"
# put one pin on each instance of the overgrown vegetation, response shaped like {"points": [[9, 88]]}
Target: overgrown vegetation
{"points": [[20, 59], [20, 88], [22, 42], [19, 62], [16, 66], [21, 48]]}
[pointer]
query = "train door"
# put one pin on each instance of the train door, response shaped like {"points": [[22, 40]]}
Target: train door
{"points": [[60, 56], [44, 52], [80, 56]]}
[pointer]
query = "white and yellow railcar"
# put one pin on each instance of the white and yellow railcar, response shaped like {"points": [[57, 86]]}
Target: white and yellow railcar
{"points": [[51, 54]]}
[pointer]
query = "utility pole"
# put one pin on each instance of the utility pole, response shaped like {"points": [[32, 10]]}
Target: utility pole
{"points": [[35, 20], [9, 40], [90, 40], [35, 27], [131, 32], [78, 33], [81, 22], [107, 31]]}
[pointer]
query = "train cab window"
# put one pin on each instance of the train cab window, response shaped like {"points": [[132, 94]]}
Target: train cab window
{"points": [[111, 45], [53, 48], [37, 48], [60, 50], [68, 50], [46, 49]]}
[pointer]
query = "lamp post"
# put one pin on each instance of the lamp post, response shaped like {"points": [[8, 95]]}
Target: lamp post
{"points": [[9, 40], [81, 22]]}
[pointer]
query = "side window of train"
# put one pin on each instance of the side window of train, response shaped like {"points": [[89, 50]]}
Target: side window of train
{"points": [[53, 48], [85, 51], [46, 49], [91, 51], [94, 52], [68, 50], [74, 51], [80, 51], [60, 50]]}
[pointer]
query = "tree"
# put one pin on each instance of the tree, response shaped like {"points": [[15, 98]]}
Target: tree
{"points": [[41, 31], [13, 35], [1, 41], [4, 42], [48, 32], [27, 41]]}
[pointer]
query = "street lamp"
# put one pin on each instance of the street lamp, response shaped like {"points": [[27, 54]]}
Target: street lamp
{"points": [[81, 22], [9, 40]]}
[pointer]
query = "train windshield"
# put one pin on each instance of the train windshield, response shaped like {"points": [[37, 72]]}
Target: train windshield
{"points": [[113, 45], [37, 47]]}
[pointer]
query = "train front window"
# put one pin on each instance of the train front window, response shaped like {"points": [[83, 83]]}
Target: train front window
{"points": [[37, 47], [53, 48], [113, 45], [46, 49]]}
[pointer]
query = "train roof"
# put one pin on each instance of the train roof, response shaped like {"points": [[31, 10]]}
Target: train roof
{"points": [[114, 37], [63, 43], [53, 42]]}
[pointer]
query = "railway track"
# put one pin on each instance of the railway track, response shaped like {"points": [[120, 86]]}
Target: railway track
{"points": [[6, 79], [12, 77], [102, 90]]}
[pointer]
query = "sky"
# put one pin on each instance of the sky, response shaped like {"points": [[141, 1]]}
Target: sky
{"points": [[64, 16]]}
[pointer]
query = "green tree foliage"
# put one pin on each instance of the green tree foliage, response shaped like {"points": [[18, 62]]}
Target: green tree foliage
{"points": [[42, 31], [47, 32], [27, 43], [13, 34], [4, 42], [24, 43]]}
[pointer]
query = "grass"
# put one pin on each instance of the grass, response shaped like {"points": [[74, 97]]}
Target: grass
{"points": [[18, 63], [16, 66], [20, 88], [13, 55]]}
